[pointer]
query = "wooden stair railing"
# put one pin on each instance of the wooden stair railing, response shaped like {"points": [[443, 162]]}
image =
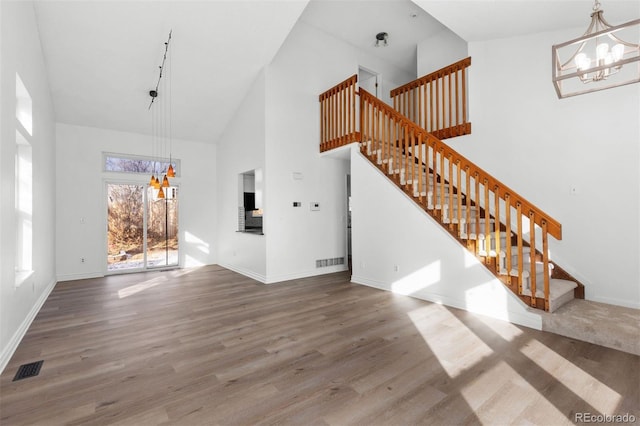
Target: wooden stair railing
{"points": [[505, 230], [478, 209], [437, 102], [338, 121]]}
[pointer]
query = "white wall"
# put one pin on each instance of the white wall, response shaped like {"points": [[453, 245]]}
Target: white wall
{"points": [[391, 232], [440, 50], [308, 63], [21, 52], [542, 146], [241, 149], [81, 198], [276, 129]]}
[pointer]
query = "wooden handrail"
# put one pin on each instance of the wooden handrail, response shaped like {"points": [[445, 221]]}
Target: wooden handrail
{"points": [[449, 69], [553, 226], [437, 101]]}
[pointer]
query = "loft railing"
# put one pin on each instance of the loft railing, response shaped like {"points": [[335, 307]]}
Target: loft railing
{"points": [[437, 102], [499, 225], [338, 122]]}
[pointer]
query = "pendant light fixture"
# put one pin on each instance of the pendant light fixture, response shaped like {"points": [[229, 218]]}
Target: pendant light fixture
{"points": [[382, 39], [602, 58], [161, 126]]}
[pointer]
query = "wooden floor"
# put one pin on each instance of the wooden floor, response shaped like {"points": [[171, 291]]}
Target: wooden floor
{"points": [[208, 346]]}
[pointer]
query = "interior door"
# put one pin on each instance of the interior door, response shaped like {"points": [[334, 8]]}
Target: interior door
{"points": [[368, 80]]}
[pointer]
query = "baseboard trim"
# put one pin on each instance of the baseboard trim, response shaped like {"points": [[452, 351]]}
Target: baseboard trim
{"points": [[531, 320], [245, 272], [285, 277], [617, 302], [17, 337], [306, 274], [74, 277]]}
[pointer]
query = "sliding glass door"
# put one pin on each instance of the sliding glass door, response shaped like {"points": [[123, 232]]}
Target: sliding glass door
{"points": [[142, 229], [162, 228]]}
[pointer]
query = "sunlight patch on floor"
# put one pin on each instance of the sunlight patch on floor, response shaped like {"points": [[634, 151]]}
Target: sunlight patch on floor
{"points": [[504, 329], [487, 392], [187, 270], [456, 350], [137, 288], [418, 280], [190, 262], [594, 392]]}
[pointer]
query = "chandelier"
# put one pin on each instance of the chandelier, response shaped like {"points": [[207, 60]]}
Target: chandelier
{"points": [[602, 58], [161, 127]]}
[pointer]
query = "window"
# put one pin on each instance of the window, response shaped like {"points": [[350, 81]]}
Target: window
{"points": [[137, 164], [23, 178]]}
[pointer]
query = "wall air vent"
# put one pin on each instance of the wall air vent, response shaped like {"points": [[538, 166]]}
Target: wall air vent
{"points": [[323, 263]]}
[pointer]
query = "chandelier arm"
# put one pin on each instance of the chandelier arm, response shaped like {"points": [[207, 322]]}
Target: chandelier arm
{"points": [[593, 23], [621, 41], [604, 21]]}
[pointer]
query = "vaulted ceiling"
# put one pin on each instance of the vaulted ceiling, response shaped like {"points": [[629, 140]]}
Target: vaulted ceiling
{"points": [[102, 56]]}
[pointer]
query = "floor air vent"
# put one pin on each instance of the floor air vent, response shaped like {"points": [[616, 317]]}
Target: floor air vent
{"points": [[323, 263], [28, 370]]}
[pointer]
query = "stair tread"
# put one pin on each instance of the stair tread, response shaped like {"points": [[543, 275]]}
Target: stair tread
{"points": [[557, 289]]}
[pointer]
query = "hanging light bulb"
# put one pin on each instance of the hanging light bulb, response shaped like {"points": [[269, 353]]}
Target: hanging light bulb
{"points": [[171, 172], [156, 183], [160, 193], [165, 182], [601, 52], [618, 52], [152, 182]]}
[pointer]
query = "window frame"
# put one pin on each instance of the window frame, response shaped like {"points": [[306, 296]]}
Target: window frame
{"points": [[162, 161]]}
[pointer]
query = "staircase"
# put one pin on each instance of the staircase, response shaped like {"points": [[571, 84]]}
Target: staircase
{"points": [[504, 230]]}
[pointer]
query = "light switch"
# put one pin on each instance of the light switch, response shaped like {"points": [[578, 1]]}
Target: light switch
{"points": [[315, 206]]}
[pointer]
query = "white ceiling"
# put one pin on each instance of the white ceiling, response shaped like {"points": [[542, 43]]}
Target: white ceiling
{"points": [[102, 56], [357, 22], [476, 20]]}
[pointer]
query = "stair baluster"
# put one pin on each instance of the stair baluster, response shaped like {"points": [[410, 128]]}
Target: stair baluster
{"points": [[459, 186], [497, 230], [545, 264], [467, 224], [532, 257], [487, 222], [508, 243]]}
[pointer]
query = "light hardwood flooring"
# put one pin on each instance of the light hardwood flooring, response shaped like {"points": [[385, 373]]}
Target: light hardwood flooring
{"points": [[208, 346]]}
